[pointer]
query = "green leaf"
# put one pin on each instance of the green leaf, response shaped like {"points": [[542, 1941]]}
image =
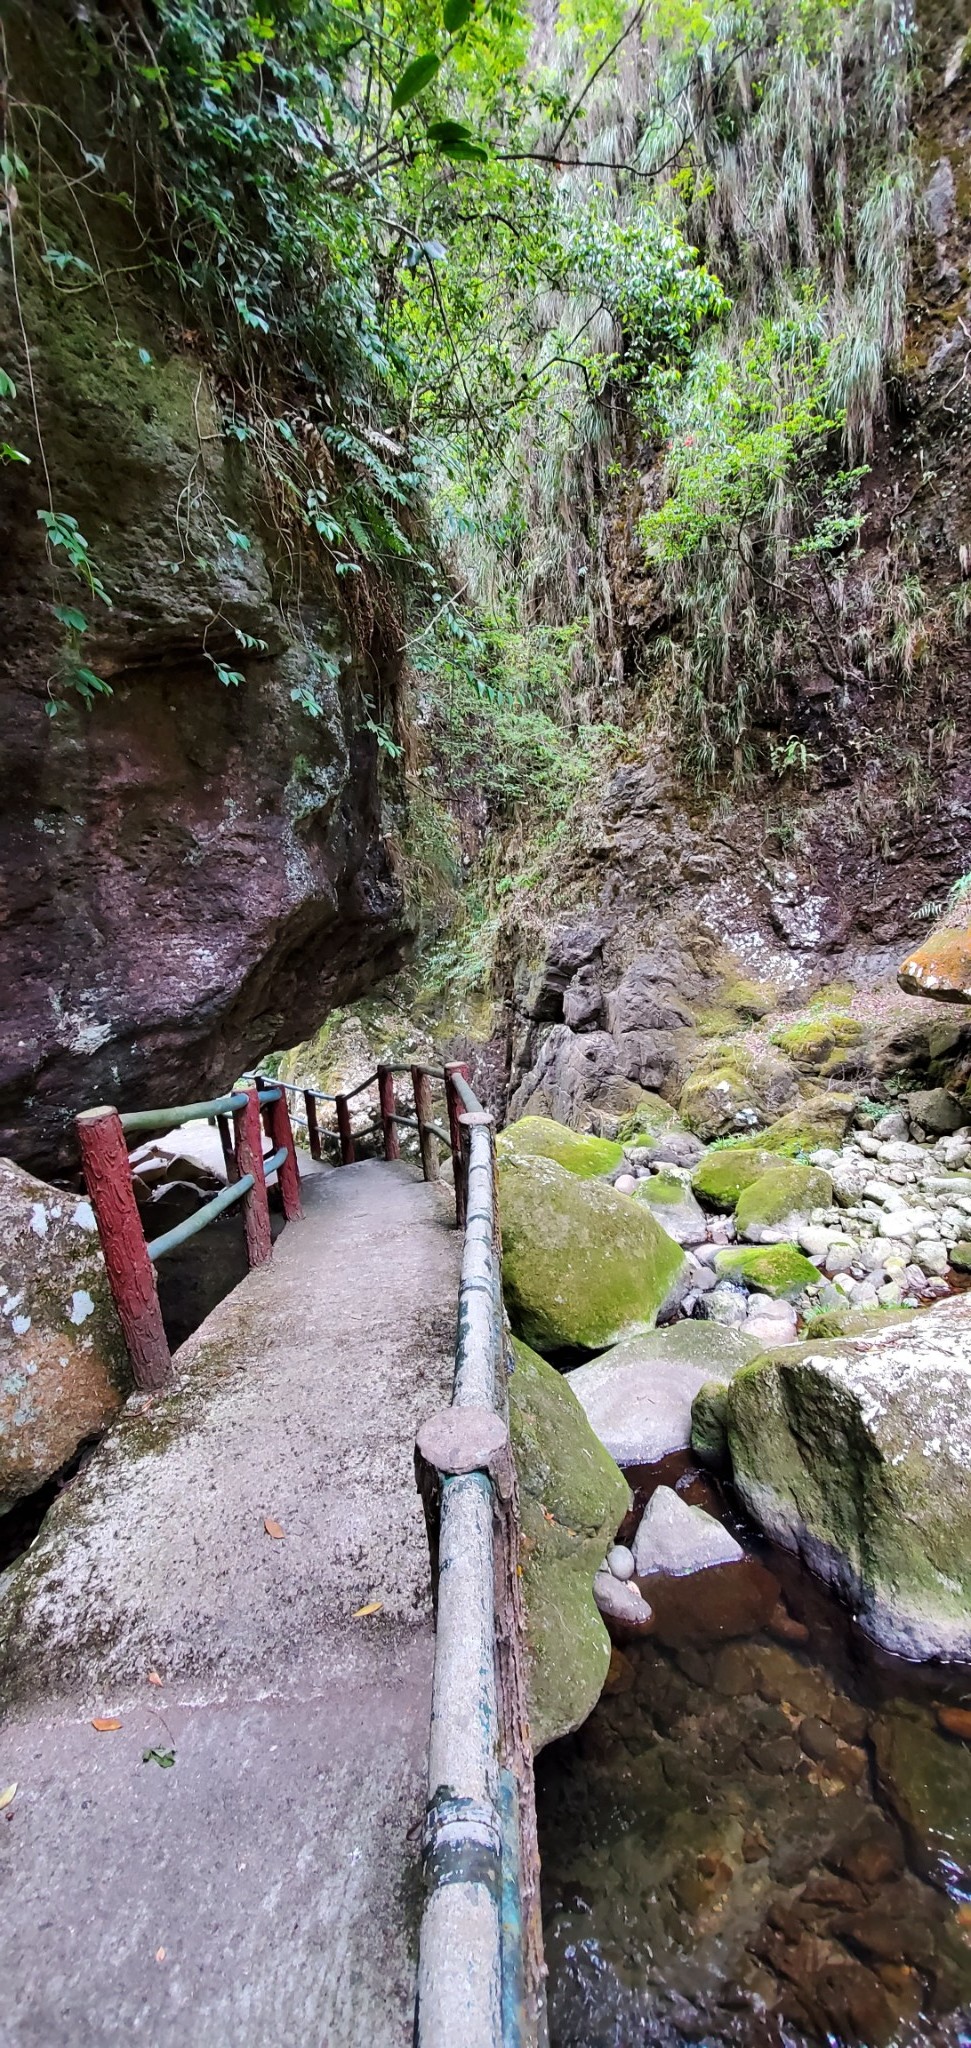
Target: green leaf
{"points": [[8, 388], [463, 152], [164, 1757], [8, 454], [414, 79], [456, 13], [74, 620]]}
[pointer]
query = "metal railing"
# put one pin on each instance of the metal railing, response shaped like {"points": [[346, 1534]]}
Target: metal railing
{"points": [[480, 1971], [129, 1259], [389, 1119]]}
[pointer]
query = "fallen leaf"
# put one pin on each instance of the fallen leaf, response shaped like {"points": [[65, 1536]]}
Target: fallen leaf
{"points": [[164, 1757], [8, 1794], [160, 1955], [272, 1528], [106, 1724], [964, 1916], [154, 1679], [373, 1607]]}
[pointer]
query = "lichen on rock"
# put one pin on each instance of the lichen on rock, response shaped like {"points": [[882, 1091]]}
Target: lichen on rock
{"points": [[572, 1501]]}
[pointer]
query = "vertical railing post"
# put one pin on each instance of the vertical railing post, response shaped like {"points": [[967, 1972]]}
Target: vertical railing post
{"points": [[423, 1116], [131, 1275], [348, 1154], [456, 1136], [392, 1149], [288, 1175], [249, 1159], [313, 1131], [224, 1128], [262, 1083]]}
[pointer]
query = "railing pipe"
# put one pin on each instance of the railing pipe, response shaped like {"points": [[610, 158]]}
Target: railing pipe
{"points": [[191, 1225], [131, 1276], [183, 1113], [249, 1162], [392, 1149], [421, 1083]]}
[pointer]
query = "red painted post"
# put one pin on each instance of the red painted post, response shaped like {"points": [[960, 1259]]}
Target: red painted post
{"points": [[131, 1275], [288, 1175], [249, 1159], [455, 1133], [348, 1154], [313, 1131], [392, 1149], [423, 1116], [226, 1141]]}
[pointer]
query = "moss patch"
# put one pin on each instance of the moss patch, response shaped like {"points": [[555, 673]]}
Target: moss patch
{"points": [[583, 1266], [539, 1137], [786, 1190], [777, 1269], [822, 1120], [721, 1176], [572, 1501], [818, 1043]]}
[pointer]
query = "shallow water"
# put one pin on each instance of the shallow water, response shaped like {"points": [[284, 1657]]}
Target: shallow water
{"points": [[761, 1836]]}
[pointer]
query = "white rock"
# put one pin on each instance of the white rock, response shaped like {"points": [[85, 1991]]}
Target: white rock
{"points": [[679, 1539], [620, 1561], [884, 1192], [931, 1257], [841, 1254], [814, 1239], [625, 1183], [769, 1331], [863, 1294], [622, 1603], [890, 1295]]}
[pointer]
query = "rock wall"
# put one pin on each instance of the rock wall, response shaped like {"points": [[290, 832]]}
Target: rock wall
{"points": [[194, 870]]}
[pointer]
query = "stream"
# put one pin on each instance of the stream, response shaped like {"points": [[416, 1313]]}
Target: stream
{"points": [[762, 1834]]}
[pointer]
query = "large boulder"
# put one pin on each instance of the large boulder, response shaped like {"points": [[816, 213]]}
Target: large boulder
{"points": [[779, 1270], [720, 1177], [733, 1090], [819, 1120], [771, 1207], [583, 1266], [940, 968], [572, 1501], [857, 1454], [637, 1396], [670, 1199], [538, 1137], [64, 1369]]}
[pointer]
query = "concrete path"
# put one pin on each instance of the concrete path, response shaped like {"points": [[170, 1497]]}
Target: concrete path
{"points": [[263, 1892]]}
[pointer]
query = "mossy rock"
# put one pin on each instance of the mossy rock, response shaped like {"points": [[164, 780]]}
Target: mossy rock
{"points": [[674, 1205], [855, 1454], [653, 1118], [583, 1267], [709, 1424], [787, 1190], [821, 1120], [960, 1256], [854, 1322], [722, 1176], [538, 1137], [777, 1269], [815, 1044], [572, 1501], [733, 1090]]}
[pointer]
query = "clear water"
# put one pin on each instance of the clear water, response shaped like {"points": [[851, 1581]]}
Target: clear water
{"points": [[762, 1836]]}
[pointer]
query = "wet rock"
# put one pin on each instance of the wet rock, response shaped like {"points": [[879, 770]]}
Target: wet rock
{"points": [[873, 1857], [582, 1265], [638, 1395], [857, 1453], [677, 1539], [572, 1500], [818, 1740], [620, 1561], [64, 1370], [927, 1781], [622, 1603], [779, 1753], [955, 1721], [785, 1627]]}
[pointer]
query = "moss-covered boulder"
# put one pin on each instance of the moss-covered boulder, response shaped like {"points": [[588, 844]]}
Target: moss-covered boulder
{"points": [[539, 1137], [722, 1175], [822, 1043], [857, 1454], [670, 1199], [777, 1269], [572, 1501], [769, 1207], [735, 1090], [583, 1266], [652, 1118], [819, 1120]]}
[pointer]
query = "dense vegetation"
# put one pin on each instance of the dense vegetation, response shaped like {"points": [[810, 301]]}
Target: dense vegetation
{"points": [[474, 291]]}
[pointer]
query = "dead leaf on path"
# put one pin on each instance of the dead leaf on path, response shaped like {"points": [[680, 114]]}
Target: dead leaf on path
{"points": [[154, 1679], [8, 1794], [373, 1607], [106, 1724], [272, 1528], [160, 1955]]}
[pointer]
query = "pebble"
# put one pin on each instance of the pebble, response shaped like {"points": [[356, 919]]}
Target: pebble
{"points": [[623, 1603], [625, 1183], [620, 1561]]}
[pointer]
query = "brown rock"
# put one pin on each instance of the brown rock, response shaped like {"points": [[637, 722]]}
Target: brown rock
{"points": [[64, 1368], [873, 1859], [829, 1890], [940, 968], [955, 1721], [819, 1741], [849, 1720], [785, 1627]]}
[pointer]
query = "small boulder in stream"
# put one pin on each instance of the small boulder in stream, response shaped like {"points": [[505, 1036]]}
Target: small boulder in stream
{"points": [[857, 1454], [637, 1396], [678, 1539], [572, 1501], [583, 1267]]}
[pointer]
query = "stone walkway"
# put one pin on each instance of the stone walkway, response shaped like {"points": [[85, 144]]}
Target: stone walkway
{"points": [[263, 1892]]}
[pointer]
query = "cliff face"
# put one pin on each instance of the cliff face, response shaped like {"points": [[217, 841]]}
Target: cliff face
{"points": [[194, 868]]}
